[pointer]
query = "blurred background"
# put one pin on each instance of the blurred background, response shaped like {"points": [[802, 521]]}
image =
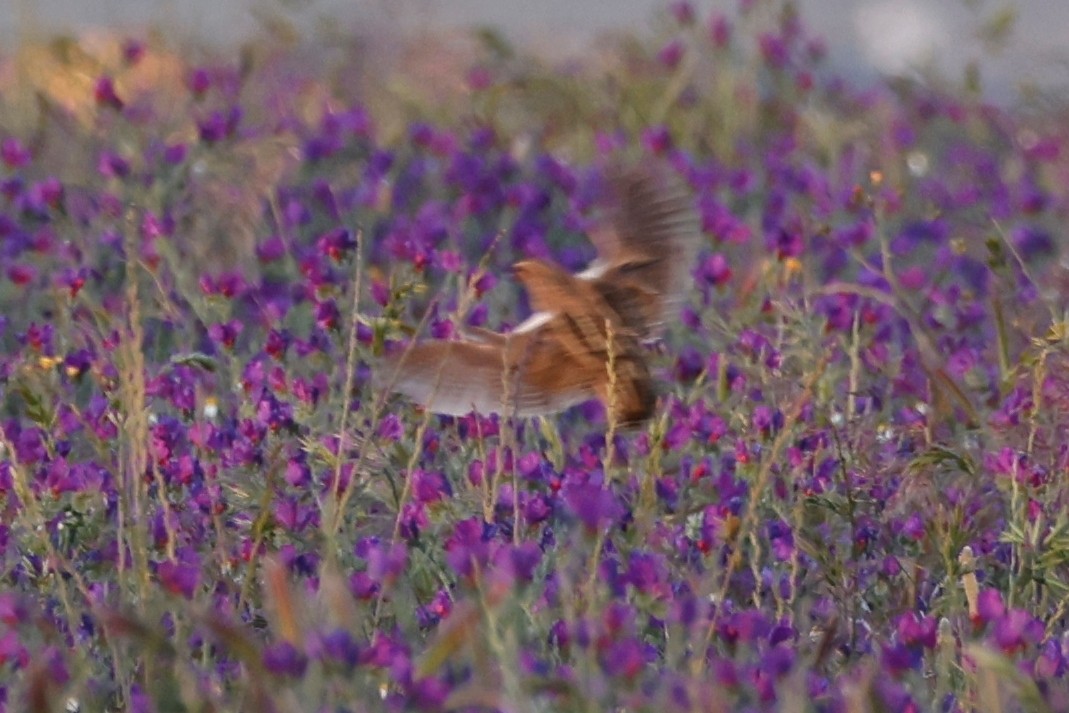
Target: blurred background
{"points": [[1015, 48]]}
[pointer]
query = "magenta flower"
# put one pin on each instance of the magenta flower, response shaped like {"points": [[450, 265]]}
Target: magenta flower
{"points": [[624, 659], [1017, 629], [713, 271], [671, 54], [683, 12], [105, 95], [225, 335], [180, 577], [916, 630], [336, 244], [14, 153], [480, 78], [198, 82], [327, 315], [271, 250], [133, 51], [990, 606], [12, 651], [430, 487], [774, 50], [657, 140], [112, 165], [719, 31], [21, 274], [467, 549]]}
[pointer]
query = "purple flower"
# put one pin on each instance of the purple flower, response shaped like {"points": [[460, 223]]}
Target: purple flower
{"points": [[14, 154], [990, 606], [175, 154], [180, 577], [523, 559], [671, 54], [657, 140], [774, 50], [293, 516], [43, 195], [198, 82], [328, 315], [916, 630], [133, 51], [390, 428], [467, 548], [284, 659], [1017, 629], [428, 693], [782, 538], [12, 650], [719, 31], [336, 244], [683, 12], [767, 421], [271, 250], [105, 95], [340, 647], [385, 563], [219, 126], [112, 165], [595, 505], [21, 274], [648, 573], [225, 335], [1032, 242], [430, 487], [777, 661], [1051, 662], [899, 658], [786, 243], [713, 271], [624, 658], [689, 364], [747, 626], [480, 77]]}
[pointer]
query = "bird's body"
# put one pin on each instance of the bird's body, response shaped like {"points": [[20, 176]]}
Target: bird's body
{"points": [[587, 332]]}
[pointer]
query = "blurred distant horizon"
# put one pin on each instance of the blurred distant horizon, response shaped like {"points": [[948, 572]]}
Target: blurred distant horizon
{"points": [[865, 38]]}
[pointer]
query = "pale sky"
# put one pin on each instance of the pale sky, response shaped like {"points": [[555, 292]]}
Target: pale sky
{"points": [[864, 36]]}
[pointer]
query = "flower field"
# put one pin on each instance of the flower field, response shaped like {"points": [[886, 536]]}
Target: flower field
{"points": [[852, 495]]}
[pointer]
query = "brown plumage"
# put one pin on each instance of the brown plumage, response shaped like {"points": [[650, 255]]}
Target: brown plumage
{"points": [[561, 355]]}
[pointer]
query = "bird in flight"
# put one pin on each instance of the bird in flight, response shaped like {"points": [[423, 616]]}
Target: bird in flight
{"points": [[585, 338]]}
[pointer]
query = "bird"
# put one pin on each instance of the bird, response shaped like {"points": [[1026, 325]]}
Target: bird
{"points": [[586, 336]]}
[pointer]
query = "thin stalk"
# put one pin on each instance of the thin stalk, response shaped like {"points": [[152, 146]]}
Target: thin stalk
{"points": [[350, 370], [749, 519]]}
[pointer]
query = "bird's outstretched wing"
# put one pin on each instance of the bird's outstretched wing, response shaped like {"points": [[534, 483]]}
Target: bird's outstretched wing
{"points": [[646, 248], [527, 373], [530, 373]]}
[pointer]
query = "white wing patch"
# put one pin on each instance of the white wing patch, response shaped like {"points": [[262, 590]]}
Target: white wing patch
{"points": [[533, 322]]}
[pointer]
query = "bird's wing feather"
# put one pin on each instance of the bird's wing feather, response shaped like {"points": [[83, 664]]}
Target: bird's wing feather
{"points": [[580, 312], [458, 377], [553, 289], [449, 377], [649, 245]]}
